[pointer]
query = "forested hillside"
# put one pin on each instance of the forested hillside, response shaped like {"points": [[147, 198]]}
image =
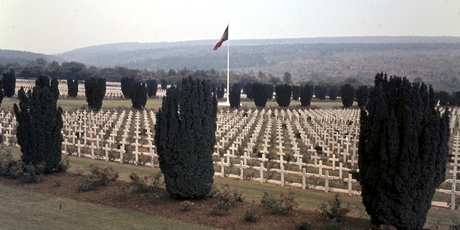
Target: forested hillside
{"points": [[434, 60]]}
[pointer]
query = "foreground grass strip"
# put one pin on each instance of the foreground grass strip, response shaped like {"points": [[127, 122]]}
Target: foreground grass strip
{"points": [[21, 209]]}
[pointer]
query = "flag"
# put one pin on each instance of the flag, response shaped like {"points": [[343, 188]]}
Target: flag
{"points": [[222, 39]]}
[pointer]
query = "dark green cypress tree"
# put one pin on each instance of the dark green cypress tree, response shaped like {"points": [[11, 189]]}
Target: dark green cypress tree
{"points": [[185, 137], [403, 151], [72, 87], [443, 98], [295, 92], [126, 86], [55, 88], [333, 91], [9, 83], [348, 95], [152, 88], [247, 89], [362, 95], [283, 95], [138, 95], [95, 92], [320, 92], [306, 93], [259, 92], [163, 83], [39, 126], [235, 96]]}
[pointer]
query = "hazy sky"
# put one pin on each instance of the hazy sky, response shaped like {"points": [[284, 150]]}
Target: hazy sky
{"points": [[54, 26]]}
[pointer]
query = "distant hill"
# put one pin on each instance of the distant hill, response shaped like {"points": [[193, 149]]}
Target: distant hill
{"points": [[435, 60], [22, 57]]}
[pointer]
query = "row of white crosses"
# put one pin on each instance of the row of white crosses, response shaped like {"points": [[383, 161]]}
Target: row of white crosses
{"points": [[454, 171], [279, 147], [8, 127], [236, 130], [113, 89], [109, 132]]}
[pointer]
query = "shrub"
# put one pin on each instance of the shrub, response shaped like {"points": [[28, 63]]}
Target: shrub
{"points": [[186, 205], [251, 214], [99, 176], [225, 199], [229, 196], [281, 206], [142, 183], [64, 165], [303, 226], [88, 184], [105, 175], [332, 211]]}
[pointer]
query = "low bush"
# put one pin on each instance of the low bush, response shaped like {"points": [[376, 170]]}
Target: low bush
{"points": [[99, 176], [282, 205], [332, 212]]}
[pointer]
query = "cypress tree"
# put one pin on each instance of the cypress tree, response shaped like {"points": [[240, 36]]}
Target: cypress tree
{"points": [[95, 91], [283, 95], [55, 88], [362, 95], [247, 89], [295, 92], [306, 93], [126, 86], [259, 91], [163, 83], [235, 96], [220, 92], [443, 98], [9, 83], [333, 91], [72, 87], [185, 137], [403, 151], [320, 92], [152, 88], [39, 125], [138, 95], [348, 95]]}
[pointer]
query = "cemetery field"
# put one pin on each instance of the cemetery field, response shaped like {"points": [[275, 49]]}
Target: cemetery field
{"points": [[119, 206]]}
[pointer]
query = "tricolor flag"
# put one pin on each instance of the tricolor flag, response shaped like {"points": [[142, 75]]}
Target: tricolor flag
{"points": [[222, 39]]}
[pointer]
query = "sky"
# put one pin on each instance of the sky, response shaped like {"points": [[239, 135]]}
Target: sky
{"points": [[56, 26]]}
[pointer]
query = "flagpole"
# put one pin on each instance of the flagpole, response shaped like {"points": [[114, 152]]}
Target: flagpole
{"points": [[228, 69]]}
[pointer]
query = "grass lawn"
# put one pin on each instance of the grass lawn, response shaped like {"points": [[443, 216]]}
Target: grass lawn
{"points": [[68, 104], [21, 209]]}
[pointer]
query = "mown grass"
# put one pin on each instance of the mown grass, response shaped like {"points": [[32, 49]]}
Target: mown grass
{"points": [[68, 104], [309, 200], [22, 209]]}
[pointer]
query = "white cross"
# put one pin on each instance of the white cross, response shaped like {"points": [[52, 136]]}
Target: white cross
{"points": [[326, 181], [262, 169], [304, 175], [350, 180], [242, 167], [282, 172], [333, 159]]}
